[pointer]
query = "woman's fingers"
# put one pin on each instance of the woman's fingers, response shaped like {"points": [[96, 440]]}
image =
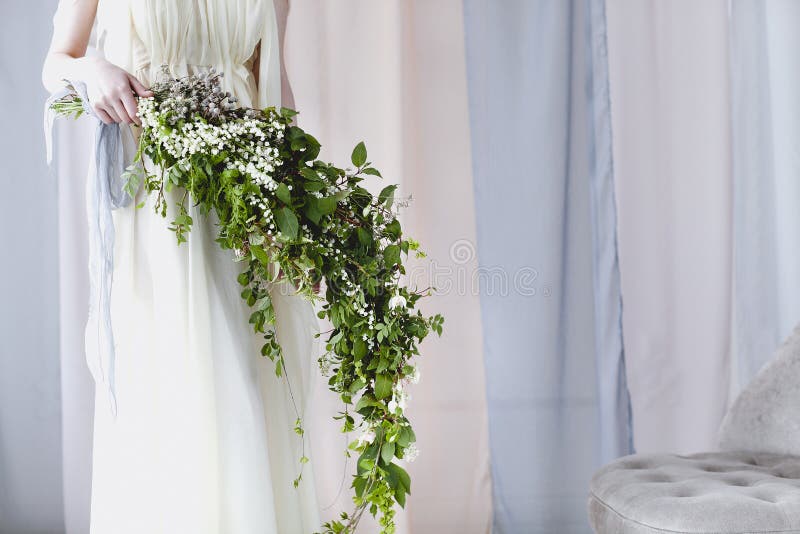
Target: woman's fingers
{"points": [[130, 107], [121, 112], [102, 115], [109, 109], [139, 87]]}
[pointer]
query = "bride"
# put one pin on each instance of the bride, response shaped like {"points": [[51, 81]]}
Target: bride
{"points": [[200, 440]]}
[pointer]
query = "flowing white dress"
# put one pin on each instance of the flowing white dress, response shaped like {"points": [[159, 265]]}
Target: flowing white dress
{"points": [[202, 440]]}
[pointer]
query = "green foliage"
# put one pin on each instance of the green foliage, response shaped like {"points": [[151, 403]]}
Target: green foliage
{"points": [[311, 222]]}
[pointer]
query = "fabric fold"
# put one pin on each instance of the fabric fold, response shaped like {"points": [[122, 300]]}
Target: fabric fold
{"points": [[105, 191]]}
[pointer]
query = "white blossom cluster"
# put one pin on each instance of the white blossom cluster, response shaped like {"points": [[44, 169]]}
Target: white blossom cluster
{"points": [[246, 142], [414, 377], [366, 437], [411, 452]]}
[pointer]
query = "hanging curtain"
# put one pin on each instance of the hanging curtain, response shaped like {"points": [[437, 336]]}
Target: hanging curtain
{"points": [[31, 490], [766, 179], [392, 73], [550, 295], [672, 158]]}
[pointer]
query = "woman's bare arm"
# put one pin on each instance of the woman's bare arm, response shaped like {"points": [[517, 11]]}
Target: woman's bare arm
{"points": [[282, 8], [110, 89], [281, 14]]}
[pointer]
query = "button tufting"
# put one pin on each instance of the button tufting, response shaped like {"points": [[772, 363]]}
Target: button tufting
{"points": [[726, 493]]}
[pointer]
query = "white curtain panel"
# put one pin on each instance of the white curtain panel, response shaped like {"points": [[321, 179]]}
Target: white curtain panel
{"points": [[392, 73], [670, 101]]}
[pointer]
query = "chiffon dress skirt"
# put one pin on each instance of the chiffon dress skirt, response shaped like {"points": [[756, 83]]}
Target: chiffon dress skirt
{"points": [[202, 439]]}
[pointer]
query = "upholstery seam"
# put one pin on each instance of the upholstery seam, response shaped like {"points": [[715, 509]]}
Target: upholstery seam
{"points": [[594, 496]]}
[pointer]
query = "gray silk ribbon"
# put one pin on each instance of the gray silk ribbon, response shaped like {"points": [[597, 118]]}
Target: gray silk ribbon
{"points": [[104, 193]]}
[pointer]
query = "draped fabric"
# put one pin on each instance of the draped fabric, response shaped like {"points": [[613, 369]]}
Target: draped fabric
{"points": [[550, 295], [104, 193], [139, 36], [31, 463], [765, 109], [202, 439], [392, 73], [670, 111]]}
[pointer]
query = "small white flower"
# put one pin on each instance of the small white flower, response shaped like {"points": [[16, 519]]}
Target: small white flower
{"points": [[399, 399], [402, 399], [411, 452], [397, 301], [414, 377], [368, 436]]}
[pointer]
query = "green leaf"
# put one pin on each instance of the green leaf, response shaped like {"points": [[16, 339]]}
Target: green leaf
{"points": [[357, 384], [229, 174], [402, 476], [400, 496], [403, 437], [365, 401], [315, 186], [387, 452], [312, 210], [259, 254], [263, 303], [399, 481], [359, 156], [373, 171], [309, 174], [392, 255], [327, 205], [359, 348], [364, 237], [283, 193], [393, 229], [313, 181], [312, 148], [383, 386], [287, 222], [386, 195], [358, 484]]}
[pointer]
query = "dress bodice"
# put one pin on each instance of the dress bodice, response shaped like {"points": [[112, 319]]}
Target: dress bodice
{"points": [[192, 35]]}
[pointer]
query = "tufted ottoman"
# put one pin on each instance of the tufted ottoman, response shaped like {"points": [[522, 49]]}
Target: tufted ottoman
{"points": [[752, 486], [702, 493]]}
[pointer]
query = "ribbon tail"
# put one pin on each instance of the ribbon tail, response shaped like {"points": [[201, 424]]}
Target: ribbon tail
{"points": [[100, 349], [104, 193]]}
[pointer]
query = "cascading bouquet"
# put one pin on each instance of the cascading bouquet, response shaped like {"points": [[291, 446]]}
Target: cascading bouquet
{"points": [[286, 213]]}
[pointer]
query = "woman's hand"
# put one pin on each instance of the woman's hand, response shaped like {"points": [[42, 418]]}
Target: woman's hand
{"points": [[111, 91]]}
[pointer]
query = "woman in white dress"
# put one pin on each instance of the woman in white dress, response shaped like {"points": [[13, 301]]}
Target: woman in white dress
{"points": [[200, 440]]}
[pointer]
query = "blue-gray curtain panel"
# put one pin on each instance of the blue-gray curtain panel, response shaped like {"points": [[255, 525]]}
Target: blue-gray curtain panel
{"points": [[765, 117], [549, 277]]}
